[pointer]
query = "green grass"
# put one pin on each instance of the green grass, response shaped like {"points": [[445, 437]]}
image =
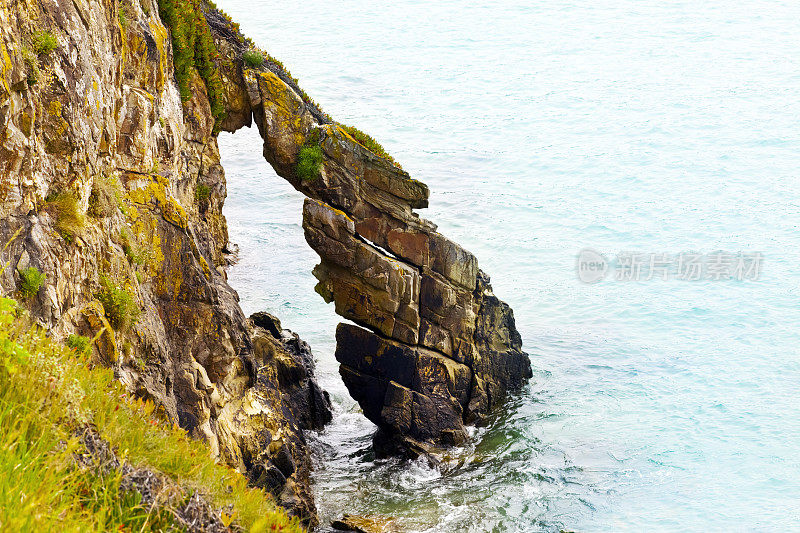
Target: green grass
{"points": [[70, 219], [47, 396], [129, 247], [125, 13], [202, 193], [193, 51], [309, 162], [369, 143], [31, 61], [253, 58], [119, 303], [30, 282], [44, 42], [105, 196], [135, 252], [79, 344]]}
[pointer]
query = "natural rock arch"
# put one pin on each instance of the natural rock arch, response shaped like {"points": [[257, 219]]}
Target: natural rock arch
{"points": [[434, 349]]}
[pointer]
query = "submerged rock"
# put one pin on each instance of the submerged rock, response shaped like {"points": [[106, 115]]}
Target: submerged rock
{"points": [[364, 524]]}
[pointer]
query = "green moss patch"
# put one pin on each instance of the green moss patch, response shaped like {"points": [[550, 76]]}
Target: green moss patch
{"points": [[369, 143]]}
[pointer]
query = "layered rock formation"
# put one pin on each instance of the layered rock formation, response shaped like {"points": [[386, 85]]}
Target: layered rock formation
{"points": [[112, 187], [434, 349]]}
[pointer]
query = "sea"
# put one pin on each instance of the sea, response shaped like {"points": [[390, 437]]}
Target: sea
{"points": [[627, 171]]}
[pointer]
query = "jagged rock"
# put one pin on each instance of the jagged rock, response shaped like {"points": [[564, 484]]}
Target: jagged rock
{"points": [[264, 430], [367, 287], [408, 391]]}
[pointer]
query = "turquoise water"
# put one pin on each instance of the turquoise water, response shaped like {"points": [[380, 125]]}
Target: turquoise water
{"points": [[644, 126]]}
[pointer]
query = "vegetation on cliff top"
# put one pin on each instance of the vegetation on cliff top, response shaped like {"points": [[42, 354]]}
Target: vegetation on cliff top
{"points": [[193, 51], [193, 48], [50, 399], [369, 143], [253, 58]]}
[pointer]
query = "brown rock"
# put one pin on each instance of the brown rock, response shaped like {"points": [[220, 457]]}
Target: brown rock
{"points": [[364, 524]]}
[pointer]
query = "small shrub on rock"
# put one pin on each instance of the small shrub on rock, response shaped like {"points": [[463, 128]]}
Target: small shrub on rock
{"points": [[44, 42], [309, 162], [70, 219], [253, 58], [31, 281], [104, 198], [136, 253], [31, 65], [369, 143], [79, 343], [119, 304]]}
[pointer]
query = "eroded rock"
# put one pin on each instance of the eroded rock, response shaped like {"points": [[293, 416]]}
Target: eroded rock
{"points": [[436, 349]]}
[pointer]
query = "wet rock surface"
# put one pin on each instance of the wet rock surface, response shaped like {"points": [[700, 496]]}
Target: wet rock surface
{"points": [[364, 524]]}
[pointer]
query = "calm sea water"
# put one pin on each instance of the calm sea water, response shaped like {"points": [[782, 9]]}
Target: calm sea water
{"points": [[650, 126]]}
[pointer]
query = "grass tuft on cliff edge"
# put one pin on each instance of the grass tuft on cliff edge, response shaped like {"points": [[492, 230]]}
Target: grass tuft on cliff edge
{"points": [[50, 399], [193, 50]]}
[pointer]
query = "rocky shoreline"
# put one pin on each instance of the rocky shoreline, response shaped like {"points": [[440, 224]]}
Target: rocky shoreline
{"points": [[111, 187]]}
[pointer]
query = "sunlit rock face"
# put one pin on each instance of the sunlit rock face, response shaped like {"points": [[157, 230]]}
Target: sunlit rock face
{"points": [[98, 120]]}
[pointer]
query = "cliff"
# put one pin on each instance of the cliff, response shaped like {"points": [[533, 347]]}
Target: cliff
{"points": [[77, 453], [111, 187]]}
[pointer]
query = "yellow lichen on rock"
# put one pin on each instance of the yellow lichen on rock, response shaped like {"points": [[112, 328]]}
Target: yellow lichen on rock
{"points": [[161, 37]]}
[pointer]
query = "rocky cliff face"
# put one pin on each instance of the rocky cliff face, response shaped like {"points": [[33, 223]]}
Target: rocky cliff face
{"points": [[112, 187]]}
